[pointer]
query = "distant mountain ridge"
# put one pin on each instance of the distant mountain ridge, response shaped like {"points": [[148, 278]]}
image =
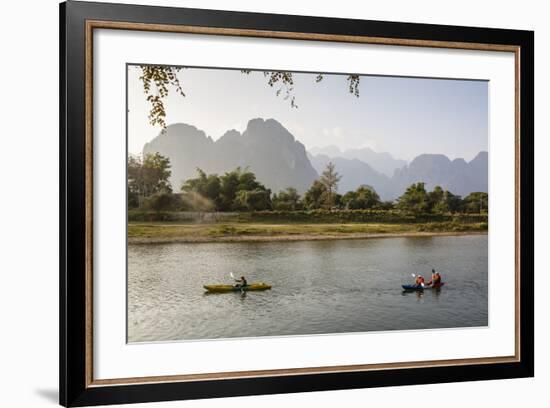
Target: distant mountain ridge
{"points": [[279, 161], [382, 162], [355, 173], [457, 176]]}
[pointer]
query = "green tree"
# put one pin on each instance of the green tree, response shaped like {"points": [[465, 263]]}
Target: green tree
{"points": [[253, 200], [148, 176], [133, 199], [330, 179], [287, 200], [385, 205], [443, 201], [247, 180], [338, 200], [415, 199], [453, 202], [207, 186], [207, 192], [314, 197], [362, 198], [436, 198], [229, 188], [477, 202]]}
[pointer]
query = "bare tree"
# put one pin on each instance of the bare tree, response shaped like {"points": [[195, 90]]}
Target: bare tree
{"points": [[330, 179]]}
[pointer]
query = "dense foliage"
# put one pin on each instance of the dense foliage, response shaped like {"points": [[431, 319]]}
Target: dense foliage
{"points": [[239, 191], [146, 177], [362, 198]]}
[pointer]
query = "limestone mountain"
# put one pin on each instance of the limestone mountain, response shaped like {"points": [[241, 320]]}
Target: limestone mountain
{"points": [[279, 161], [457, 176], [265, 147]]}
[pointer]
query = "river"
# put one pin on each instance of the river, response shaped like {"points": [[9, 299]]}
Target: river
{"points": [[332, 286]]}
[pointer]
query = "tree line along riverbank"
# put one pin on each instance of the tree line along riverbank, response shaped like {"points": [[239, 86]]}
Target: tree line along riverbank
{"points": [[238, 190], [236, 206]]}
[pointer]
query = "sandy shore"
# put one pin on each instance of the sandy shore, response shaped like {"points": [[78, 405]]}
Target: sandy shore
{"points": [[293, 237]]}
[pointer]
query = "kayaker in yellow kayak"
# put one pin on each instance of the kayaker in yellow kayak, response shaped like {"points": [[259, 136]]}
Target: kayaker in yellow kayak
{"points": [[241, 283]]}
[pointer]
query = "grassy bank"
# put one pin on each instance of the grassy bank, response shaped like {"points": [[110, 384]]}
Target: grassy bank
{"points": [[150, 232], [306, 217]]}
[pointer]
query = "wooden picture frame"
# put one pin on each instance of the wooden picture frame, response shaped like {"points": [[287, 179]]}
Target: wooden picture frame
{"points": [[77, 384]]}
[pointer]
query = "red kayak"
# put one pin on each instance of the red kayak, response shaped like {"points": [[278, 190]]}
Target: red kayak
{"points": [[419, 287]]}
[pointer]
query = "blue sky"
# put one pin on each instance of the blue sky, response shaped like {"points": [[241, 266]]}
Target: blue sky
{"points": [[403, 116]]}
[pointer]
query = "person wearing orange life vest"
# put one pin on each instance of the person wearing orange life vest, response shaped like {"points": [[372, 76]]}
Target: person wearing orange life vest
{"points": [[419, 281], [436, 279]]}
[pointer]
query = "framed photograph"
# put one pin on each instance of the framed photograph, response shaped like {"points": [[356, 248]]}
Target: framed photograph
{"points": [[256, 203]]}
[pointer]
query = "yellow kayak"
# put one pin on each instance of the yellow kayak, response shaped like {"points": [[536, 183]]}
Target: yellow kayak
{"points": [[231, 288]]}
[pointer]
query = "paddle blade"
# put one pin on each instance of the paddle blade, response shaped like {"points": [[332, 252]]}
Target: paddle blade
{"points": [[231, 274]]}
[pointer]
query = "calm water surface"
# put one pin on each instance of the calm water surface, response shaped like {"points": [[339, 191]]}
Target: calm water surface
{"points": [[318, 287]]}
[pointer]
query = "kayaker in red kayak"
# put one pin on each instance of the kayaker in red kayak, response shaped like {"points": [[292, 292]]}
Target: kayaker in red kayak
{"points": [[436, 279], [419, 281]]}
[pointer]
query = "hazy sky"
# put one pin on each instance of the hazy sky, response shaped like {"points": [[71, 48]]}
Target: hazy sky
{"points": [[402, 116]]}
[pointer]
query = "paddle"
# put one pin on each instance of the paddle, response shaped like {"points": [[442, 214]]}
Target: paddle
{"points": [[233, 277]]}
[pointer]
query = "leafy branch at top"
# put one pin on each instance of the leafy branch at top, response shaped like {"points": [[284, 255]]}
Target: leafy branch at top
{"points": [[164, 77], [354, 84], [283, 81]]}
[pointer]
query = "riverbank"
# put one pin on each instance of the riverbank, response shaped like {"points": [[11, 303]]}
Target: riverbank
{"points": [[152, 233]]}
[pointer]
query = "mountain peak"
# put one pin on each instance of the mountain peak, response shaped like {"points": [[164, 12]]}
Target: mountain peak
{"points": [[260, 123], [172, 136], [229, 136], [459, 162], [481, 156], [182, 129], [427, 162], [266, 147], [270, 130], [431, 156]]}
